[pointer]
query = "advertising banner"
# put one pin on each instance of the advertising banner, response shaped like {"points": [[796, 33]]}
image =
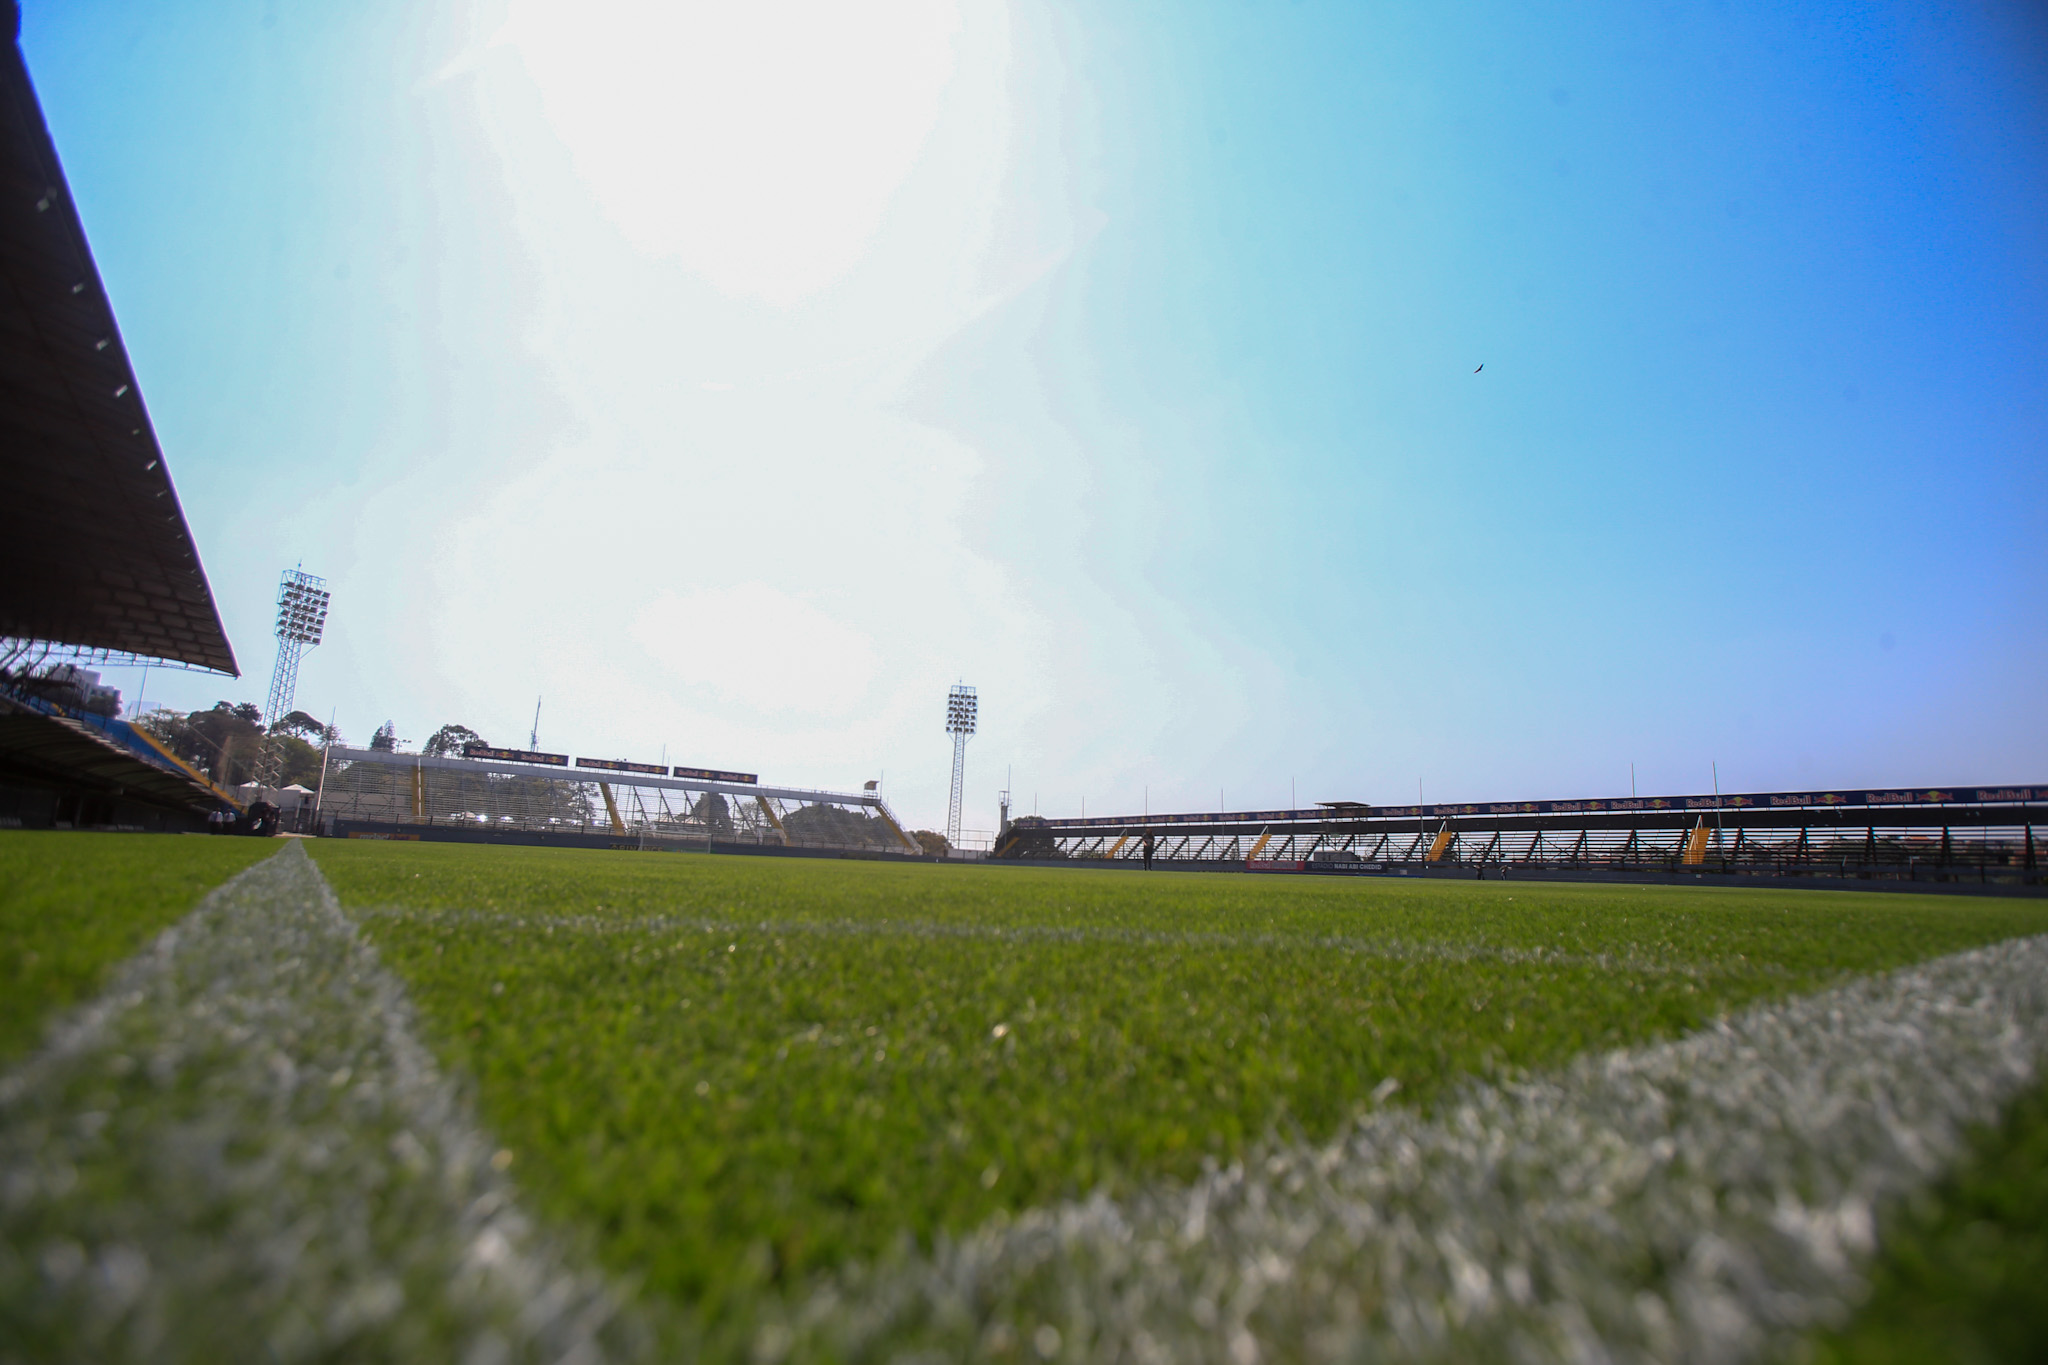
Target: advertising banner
{"points": [[613, 765], [718, 775], [485, 751]]}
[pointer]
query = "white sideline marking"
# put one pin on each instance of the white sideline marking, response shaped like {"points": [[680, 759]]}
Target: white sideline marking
{"points": [[1704, 1200], [241, 1151]]}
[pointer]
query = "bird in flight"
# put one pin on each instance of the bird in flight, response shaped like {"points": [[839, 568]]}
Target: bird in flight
{"points": [[1482, 365]]}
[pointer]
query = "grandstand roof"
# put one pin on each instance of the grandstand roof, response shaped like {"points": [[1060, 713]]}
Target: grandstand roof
{"points": [[94, 549]]}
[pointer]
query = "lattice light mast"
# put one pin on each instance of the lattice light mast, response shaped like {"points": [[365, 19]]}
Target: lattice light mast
{"points": [[961, 709], [301, 616]]}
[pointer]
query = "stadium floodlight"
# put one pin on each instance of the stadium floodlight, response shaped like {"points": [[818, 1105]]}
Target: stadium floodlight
{"points": [[301, 619], [962, 710]]}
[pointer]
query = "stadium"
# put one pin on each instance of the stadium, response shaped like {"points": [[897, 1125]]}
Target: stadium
{"points": [[1935, 835], [97, 561], [521, 796], [497, 1054]]}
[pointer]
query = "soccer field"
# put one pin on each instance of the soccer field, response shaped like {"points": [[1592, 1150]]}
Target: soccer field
{"points": [[782, 1108], [738, 1072]]}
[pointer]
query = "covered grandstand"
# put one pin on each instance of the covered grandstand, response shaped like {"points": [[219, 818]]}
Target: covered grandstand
{"points": [[96, 560], [1932, 834], [377, 793]]}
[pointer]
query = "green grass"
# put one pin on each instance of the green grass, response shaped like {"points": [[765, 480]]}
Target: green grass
{"points": [[72, 905], [1963, 1277], [736, 1072]]}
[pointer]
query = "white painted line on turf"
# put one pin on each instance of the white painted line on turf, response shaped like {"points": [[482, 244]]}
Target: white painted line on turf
{"points": [[241, 1151], [1704, 1200]]}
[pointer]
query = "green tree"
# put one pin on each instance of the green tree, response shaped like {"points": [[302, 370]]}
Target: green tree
{"points": [[305, 727], [450, 740], [301, 761], [224, 743], [386, 738]]}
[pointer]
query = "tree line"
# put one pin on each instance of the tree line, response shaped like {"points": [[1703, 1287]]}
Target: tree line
{"points": [[227, 741]]}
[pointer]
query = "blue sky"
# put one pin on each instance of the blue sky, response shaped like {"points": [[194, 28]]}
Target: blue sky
{"points": [[740, 377]]}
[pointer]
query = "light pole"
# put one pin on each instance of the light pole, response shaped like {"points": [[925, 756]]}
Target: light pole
{"points": [[301, 616], [961, 711]]}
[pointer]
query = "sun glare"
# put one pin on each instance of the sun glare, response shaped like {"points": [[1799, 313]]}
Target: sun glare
{"points": [[759, 144]]}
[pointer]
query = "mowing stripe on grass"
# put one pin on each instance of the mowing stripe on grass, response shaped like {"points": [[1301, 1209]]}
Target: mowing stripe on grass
{"points": [[241, 1151], [1383, 948], [1704, 1200]]}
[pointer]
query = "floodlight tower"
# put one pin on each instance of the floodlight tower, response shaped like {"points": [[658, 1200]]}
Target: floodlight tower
{"points": [[961, 709], [301, 616]]}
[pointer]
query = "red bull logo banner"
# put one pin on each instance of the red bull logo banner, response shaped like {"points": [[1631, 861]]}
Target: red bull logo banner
{"points": [[613, 765], [485, 751], [719, 775]]}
